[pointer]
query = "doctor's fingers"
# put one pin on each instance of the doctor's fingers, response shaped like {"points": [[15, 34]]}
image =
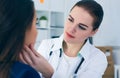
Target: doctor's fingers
{"points": [[33, 55], [34, 51], [21, 58], [30, 51], [26, 57]]}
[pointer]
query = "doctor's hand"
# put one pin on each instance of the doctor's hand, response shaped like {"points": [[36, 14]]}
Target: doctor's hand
{"points": [[34, 59]]}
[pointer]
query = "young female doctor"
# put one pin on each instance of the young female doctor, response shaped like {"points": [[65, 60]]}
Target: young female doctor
{"points": [[71, 55]]}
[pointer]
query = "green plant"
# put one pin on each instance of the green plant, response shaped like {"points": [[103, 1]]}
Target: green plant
{"points": [[43, 18]]}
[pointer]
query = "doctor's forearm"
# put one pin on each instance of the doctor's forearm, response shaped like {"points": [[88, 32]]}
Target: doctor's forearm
{"points": [[48, 73]]}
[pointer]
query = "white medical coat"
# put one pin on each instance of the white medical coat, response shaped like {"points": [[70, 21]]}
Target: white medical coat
{"points": [[94, 65]]}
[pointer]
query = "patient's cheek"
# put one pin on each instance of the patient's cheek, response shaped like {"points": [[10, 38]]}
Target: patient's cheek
{"points": [[30, 37]]}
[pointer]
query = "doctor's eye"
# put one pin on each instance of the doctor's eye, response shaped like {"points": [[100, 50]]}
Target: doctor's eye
{"points": [[81, 27]]}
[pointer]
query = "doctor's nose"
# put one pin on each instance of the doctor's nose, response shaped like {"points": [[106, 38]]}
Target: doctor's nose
{"points": [[72, 29]]}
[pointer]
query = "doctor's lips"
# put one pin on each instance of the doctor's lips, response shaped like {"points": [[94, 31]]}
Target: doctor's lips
{"points": [[69, 35]]}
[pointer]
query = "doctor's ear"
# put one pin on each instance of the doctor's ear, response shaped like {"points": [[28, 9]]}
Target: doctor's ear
{"points": [[93, 32]]}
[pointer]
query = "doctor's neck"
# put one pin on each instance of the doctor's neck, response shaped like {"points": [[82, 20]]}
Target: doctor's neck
{"points": [[71, 49]]}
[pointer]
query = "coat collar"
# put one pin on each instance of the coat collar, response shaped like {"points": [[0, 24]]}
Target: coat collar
{"points": [[85, 50], [57, 43]]}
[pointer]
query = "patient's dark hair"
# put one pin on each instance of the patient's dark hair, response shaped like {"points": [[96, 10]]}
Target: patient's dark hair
{"points": [[16, 17]]}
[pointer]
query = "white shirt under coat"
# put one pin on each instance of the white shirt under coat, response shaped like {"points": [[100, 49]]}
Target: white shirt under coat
{"points": [[94, 65]]}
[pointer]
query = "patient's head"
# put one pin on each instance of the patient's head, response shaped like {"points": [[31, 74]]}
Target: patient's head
{"points": [[17, 27]]}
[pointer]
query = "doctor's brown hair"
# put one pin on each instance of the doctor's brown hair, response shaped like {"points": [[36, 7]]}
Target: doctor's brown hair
{"points": [[16, 18], [94, 9]]}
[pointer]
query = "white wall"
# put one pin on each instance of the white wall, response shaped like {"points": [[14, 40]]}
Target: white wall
{"points": [[68, 5], [108, 34]]}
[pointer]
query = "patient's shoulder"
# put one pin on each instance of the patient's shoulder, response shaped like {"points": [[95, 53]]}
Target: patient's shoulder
{"points": [[20, 70]]}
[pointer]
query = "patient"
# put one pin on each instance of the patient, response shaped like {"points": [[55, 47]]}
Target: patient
{"points": [[17, 28]]}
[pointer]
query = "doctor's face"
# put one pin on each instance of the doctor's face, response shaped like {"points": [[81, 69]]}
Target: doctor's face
{"points": [[79, 26]]}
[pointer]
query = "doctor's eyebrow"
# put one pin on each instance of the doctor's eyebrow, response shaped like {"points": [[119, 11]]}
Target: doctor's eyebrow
{"points": [[71, 17], [79, 23]]}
